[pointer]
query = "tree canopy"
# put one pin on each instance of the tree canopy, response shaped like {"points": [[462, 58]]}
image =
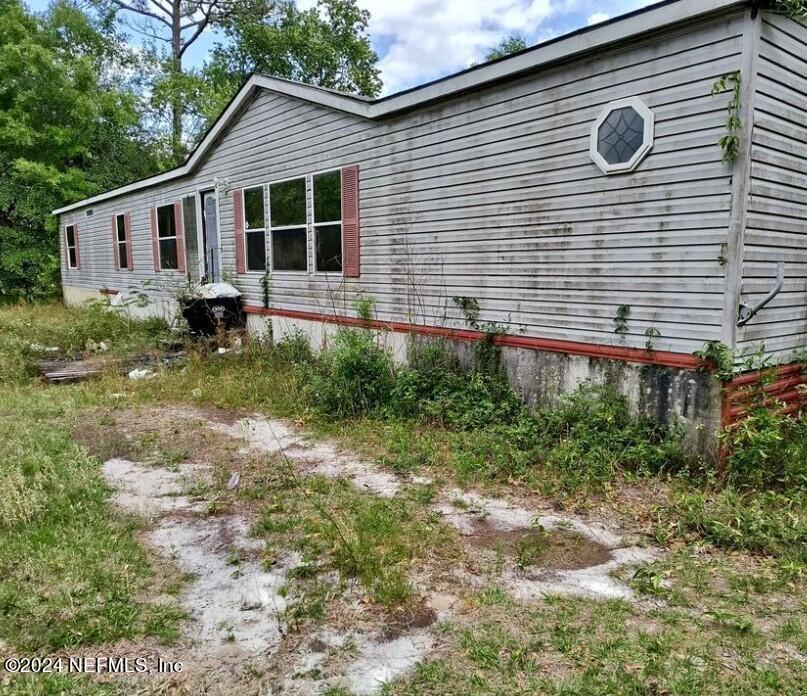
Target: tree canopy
{"points": [[326, 46], [510, 44], [68, 129], [82, 109]]}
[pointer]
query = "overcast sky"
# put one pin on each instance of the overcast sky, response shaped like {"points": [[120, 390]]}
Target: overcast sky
{"points": [[420, 40]]}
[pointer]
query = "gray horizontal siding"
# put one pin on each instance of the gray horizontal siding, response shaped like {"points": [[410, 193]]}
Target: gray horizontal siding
{"points": [[777, 212], [493, 196]]}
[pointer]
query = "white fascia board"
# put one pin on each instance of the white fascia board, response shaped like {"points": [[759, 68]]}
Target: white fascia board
{"points": [[221, 123], [648, 19], [352, 104], [333, 100]]}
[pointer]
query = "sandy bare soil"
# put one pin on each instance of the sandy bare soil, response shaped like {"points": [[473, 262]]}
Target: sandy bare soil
{"points": [[237, 638]]}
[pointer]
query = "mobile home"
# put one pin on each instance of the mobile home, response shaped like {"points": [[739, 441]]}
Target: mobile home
{"points": [[576, 192]]}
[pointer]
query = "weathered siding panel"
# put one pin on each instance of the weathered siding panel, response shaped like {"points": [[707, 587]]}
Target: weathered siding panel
{"points": [[776, 228], [493, 196]]}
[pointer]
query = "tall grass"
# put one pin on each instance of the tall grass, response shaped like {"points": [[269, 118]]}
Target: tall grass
{"points": [[70, 570], [434, 415], [27, 332]]}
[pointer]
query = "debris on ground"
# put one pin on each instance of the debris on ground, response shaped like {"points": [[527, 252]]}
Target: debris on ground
{"points": [[58, 371], [37, 348], [63, 371], [92, 347]]}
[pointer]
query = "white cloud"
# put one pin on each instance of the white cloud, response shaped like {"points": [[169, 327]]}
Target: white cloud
{"points": [[428, 38], [420, 40]]}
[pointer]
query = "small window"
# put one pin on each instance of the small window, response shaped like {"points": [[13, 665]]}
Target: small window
{"points": [[287, 211], [255, 229], [120, 241], [622, 136], [328, 221], [70, 243], [167, 237]]}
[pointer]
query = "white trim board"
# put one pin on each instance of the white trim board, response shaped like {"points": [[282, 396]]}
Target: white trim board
{"points": [[650, 18]]}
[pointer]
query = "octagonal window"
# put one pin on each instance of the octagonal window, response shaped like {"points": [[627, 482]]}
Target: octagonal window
{"points": [[622, 136]]}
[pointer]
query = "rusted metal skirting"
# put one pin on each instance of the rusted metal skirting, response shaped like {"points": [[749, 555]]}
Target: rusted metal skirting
{"points": [[779, 385], [593, 350]]}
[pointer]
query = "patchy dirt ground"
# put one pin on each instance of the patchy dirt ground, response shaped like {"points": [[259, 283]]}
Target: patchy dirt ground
{"points": [[172, 467]]}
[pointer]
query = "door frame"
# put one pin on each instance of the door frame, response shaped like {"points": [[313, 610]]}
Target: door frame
{"points": [[202, 231]]}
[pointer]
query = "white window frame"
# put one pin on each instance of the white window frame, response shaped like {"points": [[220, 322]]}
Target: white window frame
{"points": [[315, 224], [265, 229], [119, 241], [68, 247], [270, 264], [160, 239], [647, 141]]}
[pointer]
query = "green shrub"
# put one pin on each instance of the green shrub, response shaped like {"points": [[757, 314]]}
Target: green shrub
{"points": [[354, 377], [767, 449], [768, 522], [462, 402], [436, 390], [427, 355], [294, 347], [592, 435]]}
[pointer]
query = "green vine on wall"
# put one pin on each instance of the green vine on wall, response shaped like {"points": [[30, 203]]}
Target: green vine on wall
{"points": [[487, 353], [621, 321], [718, 358], [792, 8], [651, 333], [730, 142], [469, 306], [265, 289]]}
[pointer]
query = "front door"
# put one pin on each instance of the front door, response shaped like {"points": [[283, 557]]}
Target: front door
{"points": [[210, 229]]}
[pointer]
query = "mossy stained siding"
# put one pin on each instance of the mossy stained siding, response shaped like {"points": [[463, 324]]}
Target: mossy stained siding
{"points": [[493, 195]]}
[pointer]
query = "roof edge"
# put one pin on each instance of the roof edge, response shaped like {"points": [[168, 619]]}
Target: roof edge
{"points": [[652, 17]]}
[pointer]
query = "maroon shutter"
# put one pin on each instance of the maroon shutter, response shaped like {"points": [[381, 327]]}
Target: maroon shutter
{"points": [[180, 226], [127, 226], [75, 240], [155, 242], [115, 255], [238, 214], [66, 250], [350, 221]]}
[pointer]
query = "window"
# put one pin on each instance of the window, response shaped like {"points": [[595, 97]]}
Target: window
{"points": [[167, 237], [328, 221], [288, 224], [71, 245], [622, 136], [120, 241], [255, 229]]}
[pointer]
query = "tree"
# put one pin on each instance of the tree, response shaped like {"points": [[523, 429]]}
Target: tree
{"points": [[178, 24], [67, 130], [326, 46], [512, 44]]}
